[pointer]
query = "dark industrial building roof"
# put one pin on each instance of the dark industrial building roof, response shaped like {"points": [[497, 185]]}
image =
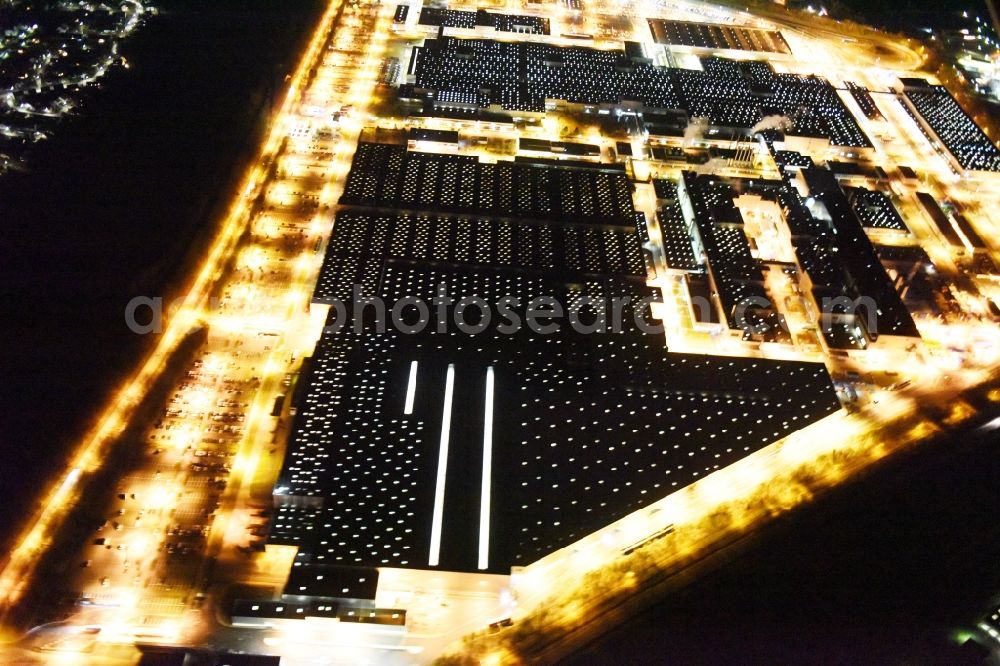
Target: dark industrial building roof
{"points": [[717, 36], [521, 76], [581, 428]]}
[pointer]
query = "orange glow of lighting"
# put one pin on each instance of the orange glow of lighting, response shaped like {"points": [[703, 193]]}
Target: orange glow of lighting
{"points": [[121, 404]]}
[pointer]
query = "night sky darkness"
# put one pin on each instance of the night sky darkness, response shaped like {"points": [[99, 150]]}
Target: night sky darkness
{"points": [[912, 14], [880, 572]]}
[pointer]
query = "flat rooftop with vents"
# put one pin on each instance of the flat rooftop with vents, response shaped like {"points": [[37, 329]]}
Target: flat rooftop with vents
{"points": [[478, 453]]}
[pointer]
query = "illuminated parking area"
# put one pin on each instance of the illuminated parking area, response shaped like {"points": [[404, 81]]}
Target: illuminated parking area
{"points": [[140, 571]]}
